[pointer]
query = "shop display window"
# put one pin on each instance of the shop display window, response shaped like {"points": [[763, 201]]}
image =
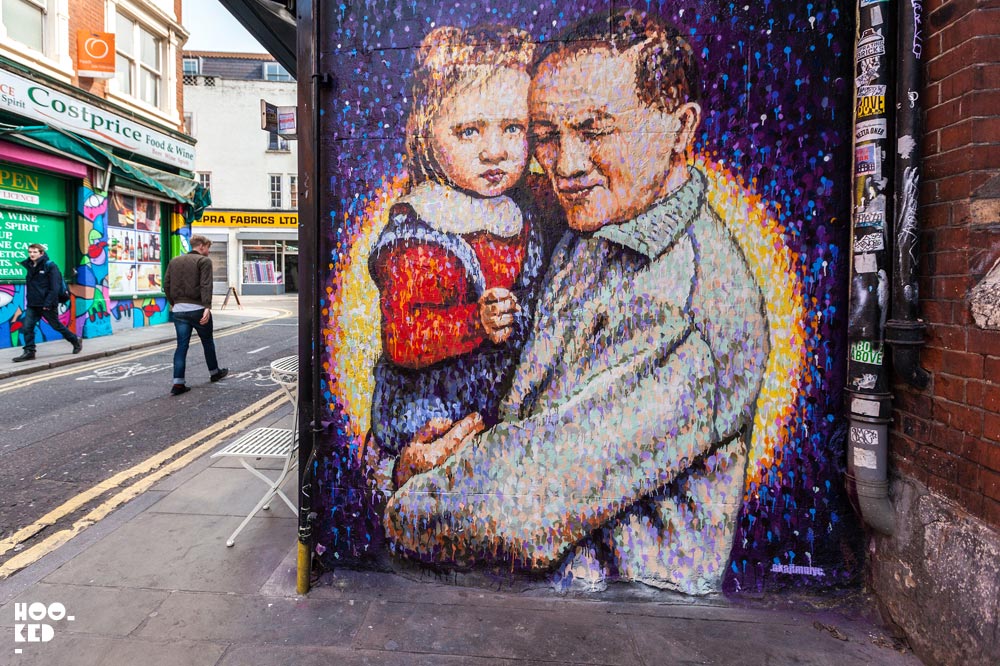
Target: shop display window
{"points": [[135, 263]]}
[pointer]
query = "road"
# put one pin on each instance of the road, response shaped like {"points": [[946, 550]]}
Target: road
{"points": [[67, 429]]}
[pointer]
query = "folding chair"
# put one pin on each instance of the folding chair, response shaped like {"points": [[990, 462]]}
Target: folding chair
{"points": [[270, 444]]}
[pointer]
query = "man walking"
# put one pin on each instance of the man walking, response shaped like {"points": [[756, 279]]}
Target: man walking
{"points": [[44, 285], [188, 285]]}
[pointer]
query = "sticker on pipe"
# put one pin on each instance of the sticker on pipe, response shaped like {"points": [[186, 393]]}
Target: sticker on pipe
{"points": [[870, 130], [869, 243], [865, 458]]}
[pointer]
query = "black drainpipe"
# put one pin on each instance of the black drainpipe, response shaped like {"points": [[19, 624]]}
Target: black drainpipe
{"points": [[869, 403], [905, 330]]}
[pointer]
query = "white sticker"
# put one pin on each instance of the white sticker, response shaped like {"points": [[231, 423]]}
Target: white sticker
{"points": [[865, 458], [876, 15], [865, 263], [866, 407]]}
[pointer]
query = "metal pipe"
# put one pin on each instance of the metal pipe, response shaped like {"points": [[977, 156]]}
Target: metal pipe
{"points": [[905, 330], [869, 404], [309, 238]]}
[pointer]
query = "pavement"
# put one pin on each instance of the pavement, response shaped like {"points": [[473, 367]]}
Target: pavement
{"points": [[153, 584]]}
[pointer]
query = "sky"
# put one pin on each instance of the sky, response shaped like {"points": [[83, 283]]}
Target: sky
{"points": [[213, 28]]}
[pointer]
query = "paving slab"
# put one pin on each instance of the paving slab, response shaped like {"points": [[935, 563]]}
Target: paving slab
{"points": [[93, 651], [106, 611], [271, 656], [180, 552], [256, 620], [226, 491], [506, 633]]}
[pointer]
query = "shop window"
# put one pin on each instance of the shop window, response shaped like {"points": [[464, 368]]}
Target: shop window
{"points": [[293, 192], [275, 72], [138, 68], [24, 21], [277, 143], [135, 259], [276, 193]]}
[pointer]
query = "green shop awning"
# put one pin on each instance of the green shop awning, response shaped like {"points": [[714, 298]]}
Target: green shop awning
{"points": [[172, 186]]}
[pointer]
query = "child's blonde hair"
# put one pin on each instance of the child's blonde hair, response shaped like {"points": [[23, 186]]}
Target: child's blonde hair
{"points": [[451, 60]]}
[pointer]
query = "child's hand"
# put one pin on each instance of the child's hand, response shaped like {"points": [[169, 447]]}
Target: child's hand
{"points": [[497, 307], [433, 443]]}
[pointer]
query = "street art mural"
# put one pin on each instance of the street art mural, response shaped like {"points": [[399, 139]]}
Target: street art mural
{"points": [[581, 292]]}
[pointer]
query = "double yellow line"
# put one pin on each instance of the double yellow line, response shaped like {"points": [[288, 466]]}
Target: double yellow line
{"points": [[150, 471], [118, 359]]}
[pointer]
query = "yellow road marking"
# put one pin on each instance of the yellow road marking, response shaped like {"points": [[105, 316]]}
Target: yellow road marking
{"points": [[220, 429], [118, 359]]}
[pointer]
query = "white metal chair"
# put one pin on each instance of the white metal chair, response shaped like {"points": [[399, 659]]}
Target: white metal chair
{"points": [[270, 444]]}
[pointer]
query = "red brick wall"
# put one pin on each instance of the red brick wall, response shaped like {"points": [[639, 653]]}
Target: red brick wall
{"points": [[948, 436], [86, 15]]}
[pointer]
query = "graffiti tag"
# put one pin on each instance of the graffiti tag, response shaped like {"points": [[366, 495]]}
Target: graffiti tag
{"points": [[869, 243]]}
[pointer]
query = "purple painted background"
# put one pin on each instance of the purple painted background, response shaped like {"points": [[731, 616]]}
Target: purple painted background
{"points": [[776, 79]]}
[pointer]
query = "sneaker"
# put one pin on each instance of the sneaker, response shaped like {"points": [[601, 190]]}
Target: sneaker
{"points": [[78, 345], [179, 389], [25, 356], [219, 374]]}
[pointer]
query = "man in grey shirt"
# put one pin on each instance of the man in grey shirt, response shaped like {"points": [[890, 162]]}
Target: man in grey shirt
{"points": [[622, 446]]}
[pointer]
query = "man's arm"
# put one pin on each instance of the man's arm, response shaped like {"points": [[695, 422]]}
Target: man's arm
{"points": [[205, 281], [535, 487], [55, 285], [166, 285]]}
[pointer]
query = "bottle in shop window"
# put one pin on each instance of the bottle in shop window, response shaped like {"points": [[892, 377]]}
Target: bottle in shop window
{"points": [[125, 249], [145, 251]]}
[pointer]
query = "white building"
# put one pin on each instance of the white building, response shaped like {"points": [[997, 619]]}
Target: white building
{"points": [[252, 174]]}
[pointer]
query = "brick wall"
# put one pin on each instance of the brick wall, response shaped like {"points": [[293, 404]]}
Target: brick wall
{"points": [[948, 436], [86, 15]]}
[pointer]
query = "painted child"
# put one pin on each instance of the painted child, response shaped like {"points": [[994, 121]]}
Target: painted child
{"points": [[458, 262]]}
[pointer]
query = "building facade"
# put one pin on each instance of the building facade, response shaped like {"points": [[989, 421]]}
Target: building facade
{"points": [[94, 160], [252, 173]]}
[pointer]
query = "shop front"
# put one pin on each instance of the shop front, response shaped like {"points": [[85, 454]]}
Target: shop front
{"points": [[109, 197], [253, 252]]}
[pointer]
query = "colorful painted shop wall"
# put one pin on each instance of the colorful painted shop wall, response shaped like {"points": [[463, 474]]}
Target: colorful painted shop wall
{"points": [[107, 260], [615, 234]]}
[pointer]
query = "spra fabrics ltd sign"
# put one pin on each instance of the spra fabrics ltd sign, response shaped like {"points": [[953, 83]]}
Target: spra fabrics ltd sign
{"points": [[240, 218], [28, 98]]}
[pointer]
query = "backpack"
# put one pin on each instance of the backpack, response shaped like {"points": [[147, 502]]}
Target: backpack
{"points": [[64, 292], [63, 288]]}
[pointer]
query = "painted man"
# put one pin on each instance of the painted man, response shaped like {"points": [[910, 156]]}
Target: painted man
{"points": [[44, 286], [622, 445]]}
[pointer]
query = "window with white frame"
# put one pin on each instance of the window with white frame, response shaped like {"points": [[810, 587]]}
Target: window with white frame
{"points": [[293, 191], [205, 179], [276, 193], [24, 22], [277, 143], [273, 71], [139, 60], [192, 66]]}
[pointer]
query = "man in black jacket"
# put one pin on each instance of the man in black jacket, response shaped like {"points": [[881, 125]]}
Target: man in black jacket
{"points": [[188, 286], [44, 284]]}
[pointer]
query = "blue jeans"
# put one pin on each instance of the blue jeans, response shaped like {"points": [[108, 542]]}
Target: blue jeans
{"points": [[184, 322], [34, 315]]}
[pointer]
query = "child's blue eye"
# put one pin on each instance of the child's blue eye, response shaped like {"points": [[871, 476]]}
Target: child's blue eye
{"points": [[513, 129], [468, 132]]}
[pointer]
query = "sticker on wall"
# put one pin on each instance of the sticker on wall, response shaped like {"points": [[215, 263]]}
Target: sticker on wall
{"points": [[871, 100], [876, 15], [863, 352], [870, 130], [865, 458], [871, 44], [869, 243], [867, 160], [864, 382], [865, 263]]}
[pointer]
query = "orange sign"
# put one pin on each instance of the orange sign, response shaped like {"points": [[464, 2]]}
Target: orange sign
{"points": [[95, 54]]}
